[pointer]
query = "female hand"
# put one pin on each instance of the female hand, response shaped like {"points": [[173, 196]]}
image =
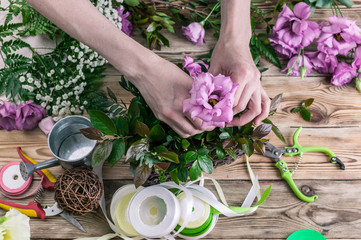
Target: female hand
{"points": [[233, 58]]}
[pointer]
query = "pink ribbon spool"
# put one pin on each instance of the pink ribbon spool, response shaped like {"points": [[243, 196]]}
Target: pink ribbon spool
{"points": [[11, 182]]}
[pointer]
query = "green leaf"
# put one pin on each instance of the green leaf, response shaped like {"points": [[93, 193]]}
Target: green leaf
{"points": [[358, 84], [307, 102], [185, 144], [203, 151], [211, 136], [160, 149], [262, 130], [206, 164], [231, 153], [112, 95], [133, 111], [347, 3], [157, 134], [224, 135], [195, 171], [190, 156], [139, 146], [132, 3], [169, 156], [295, 110], [142, 129], [141, 175], [183, 174], [275, 130], [117, 152], [174, 175], [102, 122], [2, 219], [101, 152], [220, 153], [122, 126], [306, 115], [248, 148]]}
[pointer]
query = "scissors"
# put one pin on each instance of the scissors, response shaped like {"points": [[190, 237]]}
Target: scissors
{"points": [[34, 209], [276, 154]]}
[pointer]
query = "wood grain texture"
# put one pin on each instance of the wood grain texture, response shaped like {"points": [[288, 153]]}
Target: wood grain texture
{"points": [[336, 213]]}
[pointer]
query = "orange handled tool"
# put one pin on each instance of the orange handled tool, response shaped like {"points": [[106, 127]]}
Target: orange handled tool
{"points": [[48, 178], [33, 209]]}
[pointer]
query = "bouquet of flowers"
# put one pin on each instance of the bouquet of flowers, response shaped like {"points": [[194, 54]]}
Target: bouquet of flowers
{"points": [[150, 146], [339, 37]]}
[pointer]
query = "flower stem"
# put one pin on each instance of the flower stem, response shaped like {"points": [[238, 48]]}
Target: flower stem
{"points": [[210, 13], [290, 70]]}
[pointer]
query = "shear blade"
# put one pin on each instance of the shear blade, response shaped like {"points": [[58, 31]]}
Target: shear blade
{"points": [[72, 220]]}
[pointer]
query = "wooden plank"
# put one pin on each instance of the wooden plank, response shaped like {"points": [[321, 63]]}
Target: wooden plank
{"points": [[336, 213], [333, 106], [344, 142]]}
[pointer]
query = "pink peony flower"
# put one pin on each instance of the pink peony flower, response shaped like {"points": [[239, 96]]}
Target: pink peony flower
{"points": [[7, 116], [46, 124], [211, 100], [322, 62], [194, 32], [127, 26], [339, 37], [28, 115], [294, 68], [191, 66], [357, 59], [292, 31], [343, 74]]}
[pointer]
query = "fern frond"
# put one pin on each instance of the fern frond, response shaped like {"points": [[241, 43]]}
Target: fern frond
{"points": [[14, 45]]}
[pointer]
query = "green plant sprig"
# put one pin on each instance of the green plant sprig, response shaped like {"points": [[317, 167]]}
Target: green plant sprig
{"points": [[303, 109], [148, 144]]}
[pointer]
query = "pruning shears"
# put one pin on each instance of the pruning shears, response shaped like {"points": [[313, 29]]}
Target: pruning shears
{"points": [[296, 149]]}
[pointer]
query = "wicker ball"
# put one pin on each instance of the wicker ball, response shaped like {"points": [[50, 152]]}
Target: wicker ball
{"points": [[78, 190]]}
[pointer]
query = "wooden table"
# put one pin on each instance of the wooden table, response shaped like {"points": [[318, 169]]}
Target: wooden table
{"points": [[336, 124]]}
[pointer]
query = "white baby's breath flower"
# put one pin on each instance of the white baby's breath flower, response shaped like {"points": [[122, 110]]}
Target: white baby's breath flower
{"points": [[43, 104], [62, 70], [28, 75], [61, 82], [30, 80], [22, 79], [38, 96], [52, 71]]}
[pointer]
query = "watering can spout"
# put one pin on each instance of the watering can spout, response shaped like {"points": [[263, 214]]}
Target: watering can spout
{"points": [[27, 169]]}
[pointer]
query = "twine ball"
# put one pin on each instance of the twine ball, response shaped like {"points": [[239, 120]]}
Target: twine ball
{"points": [[78, 190]]}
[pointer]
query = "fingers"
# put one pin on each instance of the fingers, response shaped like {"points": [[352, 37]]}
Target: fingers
{"points": [[254, 109], [266, 102]]}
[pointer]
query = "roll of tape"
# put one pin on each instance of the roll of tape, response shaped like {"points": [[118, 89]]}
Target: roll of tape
{"points": [[154, 212], [118, 208], [203, 220], [11, 182]]}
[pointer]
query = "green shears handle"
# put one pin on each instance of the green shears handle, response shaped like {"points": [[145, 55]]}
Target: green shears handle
{"points": [[301, 150], [287, 175]]}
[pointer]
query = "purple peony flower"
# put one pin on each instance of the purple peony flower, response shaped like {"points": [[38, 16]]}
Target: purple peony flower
{"points": [[339, 37], [357, 59], [294, 66], [322, 62], [194, 32], [7, 116], [127, 26], [292, 31], [191, 66], [46, 124], [28, 115], [343, 74], [211, 99]]}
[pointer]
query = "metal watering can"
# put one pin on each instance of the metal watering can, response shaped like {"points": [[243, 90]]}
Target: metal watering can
{"points": [[68, 145]]}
